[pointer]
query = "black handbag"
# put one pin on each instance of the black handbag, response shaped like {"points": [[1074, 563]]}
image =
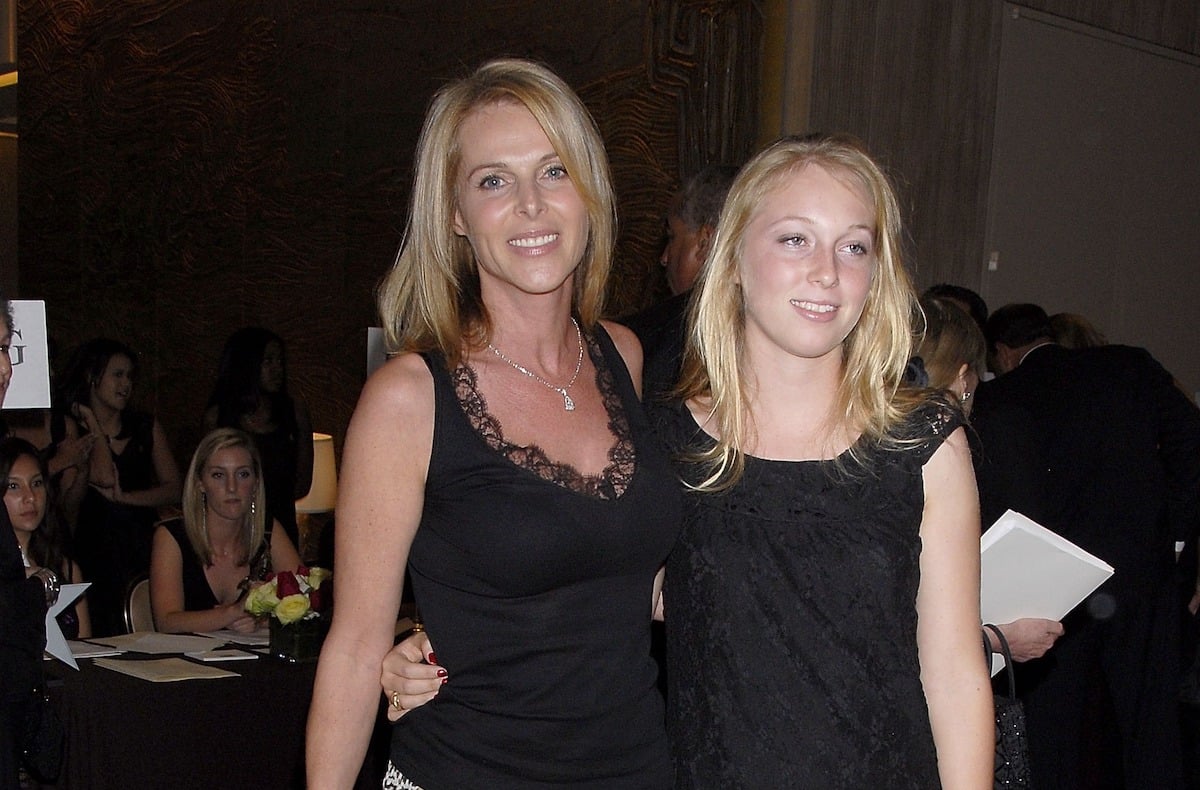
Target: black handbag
{"points": [[43, 739], [1012, 744]]}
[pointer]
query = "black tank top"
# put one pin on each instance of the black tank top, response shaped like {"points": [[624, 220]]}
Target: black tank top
{"points": [[535, 586]]}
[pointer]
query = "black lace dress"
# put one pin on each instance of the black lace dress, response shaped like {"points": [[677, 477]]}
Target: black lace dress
{"points": [[535, 582], [791, 620]]}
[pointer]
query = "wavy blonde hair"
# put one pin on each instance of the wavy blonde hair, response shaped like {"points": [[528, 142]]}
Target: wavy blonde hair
{"points": [[194, 504], [430, 300], [874, 353]]}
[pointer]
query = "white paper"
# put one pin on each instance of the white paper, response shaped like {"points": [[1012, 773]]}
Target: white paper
{"points": [[260, 637], [230, 654], [164, 670], [1028, 571], [81, 649], [159, 643], [56, 643], [30, 355]]}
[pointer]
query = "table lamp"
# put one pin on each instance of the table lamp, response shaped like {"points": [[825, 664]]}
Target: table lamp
{"points": [[321, 496]]}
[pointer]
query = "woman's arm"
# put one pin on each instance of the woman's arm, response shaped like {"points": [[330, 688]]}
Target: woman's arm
{"points": [[953, 670], [81, 607], [75, 450], [284, 556], [384, 467], [304, 450], [101, 471], [658, 607], [166, 594]]}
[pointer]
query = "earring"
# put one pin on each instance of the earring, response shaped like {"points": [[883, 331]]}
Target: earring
{"points": [[966, 396]]}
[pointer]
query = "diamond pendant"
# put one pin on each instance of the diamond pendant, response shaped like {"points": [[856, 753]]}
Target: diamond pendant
{"points": [[568, 404]]}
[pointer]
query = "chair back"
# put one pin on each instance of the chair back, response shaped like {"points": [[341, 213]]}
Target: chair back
{"points": [[138, 615]]}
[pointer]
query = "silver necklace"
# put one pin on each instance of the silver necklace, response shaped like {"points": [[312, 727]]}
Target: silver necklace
{"points": [[568, 404]]}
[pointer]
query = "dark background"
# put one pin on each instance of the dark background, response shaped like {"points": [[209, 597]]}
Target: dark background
{"points": [[187, 167]]}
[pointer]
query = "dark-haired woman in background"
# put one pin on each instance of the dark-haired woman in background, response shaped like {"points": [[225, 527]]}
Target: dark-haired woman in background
{"points": [[38, 526], [251, 395], [131, 474]]}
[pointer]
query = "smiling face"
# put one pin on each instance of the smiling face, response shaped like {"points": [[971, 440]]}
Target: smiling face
{"points": [[229, 481], [115, 385], [25, 496], [806, 263], [517, 205]]}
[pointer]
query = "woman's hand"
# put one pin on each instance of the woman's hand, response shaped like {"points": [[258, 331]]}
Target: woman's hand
{"points": [[73, 451], [410, 675], [240, 620], [1029, 637], [112, 493], [87, 418]]}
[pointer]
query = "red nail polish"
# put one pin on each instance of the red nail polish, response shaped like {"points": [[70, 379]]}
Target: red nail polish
{"points": [[445, 680], [441, 673], [432, 657]]}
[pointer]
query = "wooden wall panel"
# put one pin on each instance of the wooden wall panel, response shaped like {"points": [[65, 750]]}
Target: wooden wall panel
{"points": [[188, 167]]}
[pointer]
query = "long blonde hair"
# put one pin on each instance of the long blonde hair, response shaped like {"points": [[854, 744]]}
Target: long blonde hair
{"points": [[195, 520], [874, 353], [431, 298]]}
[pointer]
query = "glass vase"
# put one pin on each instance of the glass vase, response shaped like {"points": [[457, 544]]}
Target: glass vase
{"points": [[298, 642]]}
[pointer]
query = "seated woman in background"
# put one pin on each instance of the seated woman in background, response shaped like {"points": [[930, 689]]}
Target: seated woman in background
{"points": [[954, 355], [203, 563], [251, 394], [131, 474], [29, 500], [56, 438]]}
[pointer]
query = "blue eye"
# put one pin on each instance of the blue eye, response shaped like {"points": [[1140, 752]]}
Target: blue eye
{"points": [[491, 182], [556, 172]]}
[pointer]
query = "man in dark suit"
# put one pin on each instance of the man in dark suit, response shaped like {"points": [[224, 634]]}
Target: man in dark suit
{"points": [[691, 222], [1100, 446]]}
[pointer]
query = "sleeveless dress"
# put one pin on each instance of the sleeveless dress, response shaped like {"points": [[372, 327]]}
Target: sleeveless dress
{"points": [[535, 583], [113, 540], [197, 593], [791, 618]]}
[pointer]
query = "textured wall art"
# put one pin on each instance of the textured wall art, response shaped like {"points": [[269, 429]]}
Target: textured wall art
{"points": [[187, 168]]}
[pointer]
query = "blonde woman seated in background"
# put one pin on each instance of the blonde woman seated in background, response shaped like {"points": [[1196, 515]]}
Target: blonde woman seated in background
{"points": [[953, 353], [202, 564]]}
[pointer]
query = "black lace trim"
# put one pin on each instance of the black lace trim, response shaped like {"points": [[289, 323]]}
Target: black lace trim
{"points": [[609, 484]]}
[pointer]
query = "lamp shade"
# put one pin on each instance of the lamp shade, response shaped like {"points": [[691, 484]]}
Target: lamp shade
{"points": [[322, 495]]}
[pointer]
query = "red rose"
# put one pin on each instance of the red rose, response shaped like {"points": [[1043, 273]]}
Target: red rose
{"points": [[286, 584], [316, 599], [302, 571]]}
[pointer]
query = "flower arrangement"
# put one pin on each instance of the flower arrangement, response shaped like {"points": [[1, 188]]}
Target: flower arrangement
{"points": [[291, 596]]}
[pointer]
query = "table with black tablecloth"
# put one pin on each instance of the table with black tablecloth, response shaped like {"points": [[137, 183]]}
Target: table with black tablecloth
{"points": [[125, 732]]}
